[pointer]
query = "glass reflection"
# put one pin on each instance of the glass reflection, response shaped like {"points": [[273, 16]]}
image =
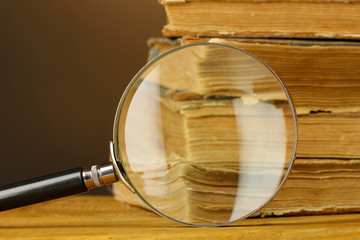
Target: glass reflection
{"points": [[206, 134]]}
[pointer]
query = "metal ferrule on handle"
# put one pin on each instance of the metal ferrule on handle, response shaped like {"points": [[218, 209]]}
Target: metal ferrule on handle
{"points": [[99, 176]]}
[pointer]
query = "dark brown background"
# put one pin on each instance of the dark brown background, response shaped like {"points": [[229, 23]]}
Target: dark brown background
{"points": [[63, 68]]}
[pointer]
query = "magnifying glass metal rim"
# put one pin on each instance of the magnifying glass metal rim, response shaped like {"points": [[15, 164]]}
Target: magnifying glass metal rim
{"points": [[123, 99]]}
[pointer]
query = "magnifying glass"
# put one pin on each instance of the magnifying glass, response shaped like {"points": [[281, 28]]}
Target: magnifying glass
{"points": [[205, 134]]}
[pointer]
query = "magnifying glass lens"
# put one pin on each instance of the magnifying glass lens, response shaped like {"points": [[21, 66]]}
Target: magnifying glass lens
{"points": [[206, 134]]}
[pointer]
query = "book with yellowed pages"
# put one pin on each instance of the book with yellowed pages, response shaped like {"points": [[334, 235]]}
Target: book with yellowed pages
{"points": [[327, 19], [323, 79]]}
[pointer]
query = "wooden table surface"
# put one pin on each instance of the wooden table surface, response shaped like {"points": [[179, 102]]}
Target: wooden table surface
{"points": [[101, 217]]}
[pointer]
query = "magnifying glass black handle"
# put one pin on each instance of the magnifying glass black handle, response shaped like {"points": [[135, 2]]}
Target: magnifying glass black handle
{"points": [[42, 189], [55, 186]]}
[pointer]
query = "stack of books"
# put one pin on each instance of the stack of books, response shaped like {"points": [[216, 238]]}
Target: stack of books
{"points": [[314, 47]]}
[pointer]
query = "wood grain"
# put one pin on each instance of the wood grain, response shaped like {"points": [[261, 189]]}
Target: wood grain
{"points": [[101, 217]]}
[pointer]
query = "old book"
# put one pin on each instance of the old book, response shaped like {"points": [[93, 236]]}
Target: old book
{"points": [[263, 18], [323, 81], [315, 186], [325, 174]]}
